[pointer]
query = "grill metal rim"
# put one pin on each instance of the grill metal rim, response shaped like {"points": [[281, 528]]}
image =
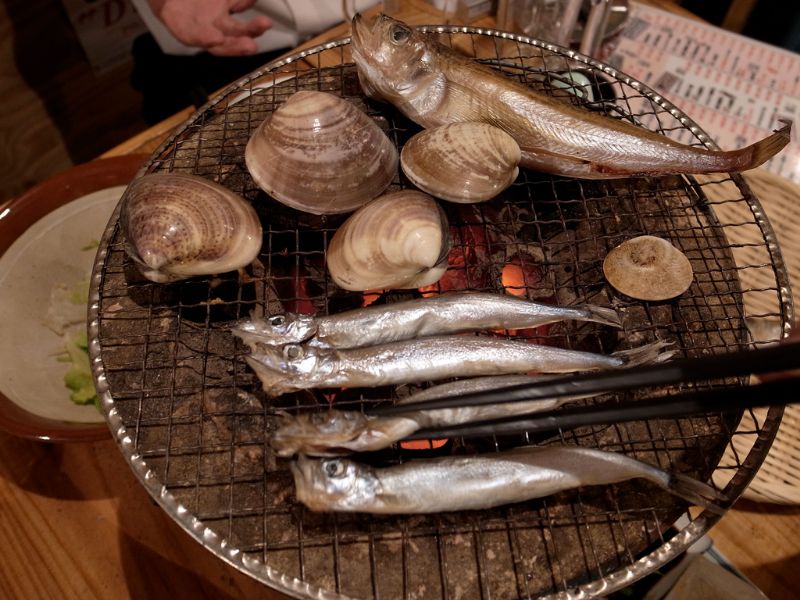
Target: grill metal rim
{"points": [[298, 588]]}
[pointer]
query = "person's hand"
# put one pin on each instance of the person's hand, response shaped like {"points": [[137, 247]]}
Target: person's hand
{"points": [[209, 24]]}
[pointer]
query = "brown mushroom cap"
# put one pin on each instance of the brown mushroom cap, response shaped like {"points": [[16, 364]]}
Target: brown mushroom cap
{"points": [[648, 268]]}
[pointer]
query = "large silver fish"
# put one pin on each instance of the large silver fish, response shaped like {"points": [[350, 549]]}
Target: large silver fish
{"points": [[337, 432], [475, 482], [437, 315], [296, 367], [434, 85]]}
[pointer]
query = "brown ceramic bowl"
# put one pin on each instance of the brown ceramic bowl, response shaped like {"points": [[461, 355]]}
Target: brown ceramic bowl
{"points": [[42, 237]]}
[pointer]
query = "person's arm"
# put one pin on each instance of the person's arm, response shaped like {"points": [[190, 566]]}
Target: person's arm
{"points": [[209, 24]]}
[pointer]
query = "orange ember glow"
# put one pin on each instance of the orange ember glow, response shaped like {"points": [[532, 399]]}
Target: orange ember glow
{"points": [[430, 290], [513, 279], [423, 444], [370, 296]]}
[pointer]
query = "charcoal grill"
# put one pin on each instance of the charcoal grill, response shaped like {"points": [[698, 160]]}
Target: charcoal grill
{"points": [[189, 417]]}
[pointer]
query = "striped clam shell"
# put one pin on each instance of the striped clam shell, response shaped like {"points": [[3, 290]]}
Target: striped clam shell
{"points": [[399, 240], [461, 162], [178, 226], [320, 154]]}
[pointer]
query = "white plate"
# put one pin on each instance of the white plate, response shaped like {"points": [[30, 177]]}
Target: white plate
{"points": [[52, 252]]}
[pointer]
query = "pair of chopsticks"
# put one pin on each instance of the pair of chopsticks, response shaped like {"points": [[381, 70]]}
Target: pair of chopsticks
{"points": [[783, 357]]}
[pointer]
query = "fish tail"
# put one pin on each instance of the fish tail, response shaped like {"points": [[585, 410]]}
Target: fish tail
{"points": [[652, 353], [758, 153], [696, 492], [602, 315]]}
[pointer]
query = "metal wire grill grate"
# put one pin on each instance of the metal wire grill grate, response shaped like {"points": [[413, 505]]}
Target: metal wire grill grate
{"points": [[189, 415]]}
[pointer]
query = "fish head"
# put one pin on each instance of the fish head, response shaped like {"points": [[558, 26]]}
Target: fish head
{"points": [[334, 483], [324, 433], [292, 367], [302, 361], [392, 58], [275, 330]]}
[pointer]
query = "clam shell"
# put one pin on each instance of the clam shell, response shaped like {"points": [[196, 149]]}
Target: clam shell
{"points": [[177, 226], [400, 240], [320, 154], [648, 268], [462, 162]]}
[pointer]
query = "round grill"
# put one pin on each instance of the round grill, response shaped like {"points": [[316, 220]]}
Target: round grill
{"points": [[189, 416]]}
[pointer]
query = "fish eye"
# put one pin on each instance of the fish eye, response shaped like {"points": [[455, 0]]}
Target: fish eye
{"points": [[277, 320], [334, 468], [292, 352], [400, 34]]}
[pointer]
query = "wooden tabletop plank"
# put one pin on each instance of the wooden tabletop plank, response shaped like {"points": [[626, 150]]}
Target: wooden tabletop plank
{"points": [[78, 524], [763, 541]]}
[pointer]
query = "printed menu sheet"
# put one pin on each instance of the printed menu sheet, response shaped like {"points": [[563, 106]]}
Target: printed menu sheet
{"points": [[737, 89]]}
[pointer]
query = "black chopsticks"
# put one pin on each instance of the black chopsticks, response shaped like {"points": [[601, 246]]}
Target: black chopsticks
{"points": [[779, 357], [714, 400]]}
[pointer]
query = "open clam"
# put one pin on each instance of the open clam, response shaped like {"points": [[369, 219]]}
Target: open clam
{"points": [[178, 226], [320, 154], [461, 162], [400, 240], [648, 268]]}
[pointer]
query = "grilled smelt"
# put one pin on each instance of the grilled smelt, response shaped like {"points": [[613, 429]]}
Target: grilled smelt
{"points": [[436, 315], [338, 432], [297, 367], [476, 482]]}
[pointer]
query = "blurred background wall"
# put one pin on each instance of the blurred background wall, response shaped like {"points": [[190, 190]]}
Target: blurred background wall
{"points": [[776, 22], [58, 108]]}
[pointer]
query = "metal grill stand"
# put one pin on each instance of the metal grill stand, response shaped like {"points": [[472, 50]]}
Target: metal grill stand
{"points": [[189, 417]]}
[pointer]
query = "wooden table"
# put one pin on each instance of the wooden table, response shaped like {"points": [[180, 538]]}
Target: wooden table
{"points": [[77, 524]]}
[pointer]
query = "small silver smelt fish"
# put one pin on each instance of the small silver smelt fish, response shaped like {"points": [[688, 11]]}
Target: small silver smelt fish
{"points": [[297, 367], [437, 315], [475, 482], [337, 432], [433, 85]]}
